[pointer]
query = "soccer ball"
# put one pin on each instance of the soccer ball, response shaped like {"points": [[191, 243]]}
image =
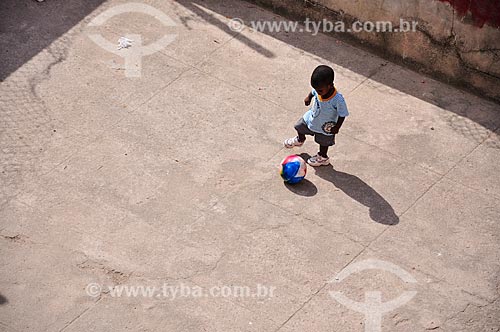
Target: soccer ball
{"points": [[293, 169]]}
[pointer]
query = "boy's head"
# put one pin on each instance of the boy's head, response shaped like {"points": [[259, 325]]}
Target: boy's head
{"points": [[322, 79]]}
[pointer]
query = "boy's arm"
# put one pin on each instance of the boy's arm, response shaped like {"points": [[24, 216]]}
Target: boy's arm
{"points": [[343, 112], [336, 128], [308, 99]]}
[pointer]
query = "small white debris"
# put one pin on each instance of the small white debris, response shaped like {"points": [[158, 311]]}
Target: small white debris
{"points": [[124, 43]]}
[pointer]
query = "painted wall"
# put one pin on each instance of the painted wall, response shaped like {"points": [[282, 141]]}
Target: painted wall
{"points": [[456, 40], [481, 11]]}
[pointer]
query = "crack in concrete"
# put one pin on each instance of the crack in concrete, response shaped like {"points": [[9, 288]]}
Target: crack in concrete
{"points": [[195, 273], [452, 30], [451, 45], [493, 50], [71, 322], [302, 216], [466, 308], [317, 292], [46, 73], [17, 238], [400, 321], [370, 75], [117, 276]]}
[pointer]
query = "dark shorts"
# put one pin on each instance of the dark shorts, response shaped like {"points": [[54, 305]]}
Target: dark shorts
{"points": [[321, 139]]}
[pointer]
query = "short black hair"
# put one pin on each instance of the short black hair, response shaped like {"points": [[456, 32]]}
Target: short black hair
{"points": [[322, 76]]}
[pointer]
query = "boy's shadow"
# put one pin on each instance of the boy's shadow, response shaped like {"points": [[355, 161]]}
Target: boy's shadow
{"points": [[380, 210]]}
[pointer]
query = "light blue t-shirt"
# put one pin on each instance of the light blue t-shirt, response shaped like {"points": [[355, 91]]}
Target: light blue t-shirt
{"points": [[324, 114]]}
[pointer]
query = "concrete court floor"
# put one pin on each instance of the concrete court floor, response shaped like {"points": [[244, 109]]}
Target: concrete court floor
{"points": [[172, 178]]}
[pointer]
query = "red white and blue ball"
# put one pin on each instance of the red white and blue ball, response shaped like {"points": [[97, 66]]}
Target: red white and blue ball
{"points": [[293, 169]]}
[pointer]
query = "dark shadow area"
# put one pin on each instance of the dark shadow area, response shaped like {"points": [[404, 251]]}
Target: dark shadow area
{"points": [[28, 27], [305, 156], [303, 188], [430, 91], [380, 210], [3, 299]]}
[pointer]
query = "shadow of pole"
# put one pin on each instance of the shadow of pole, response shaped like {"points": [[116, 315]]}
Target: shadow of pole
{"points": [[196, 8]]}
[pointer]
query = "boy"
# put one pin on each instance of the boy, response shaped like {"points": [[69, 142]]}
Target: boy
{"points": [[324, 118]]}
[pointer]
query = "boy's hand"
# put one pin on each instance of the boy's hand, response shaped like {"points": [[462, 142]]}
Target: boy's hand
{"points": [[307, 101], [336, 128]]}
